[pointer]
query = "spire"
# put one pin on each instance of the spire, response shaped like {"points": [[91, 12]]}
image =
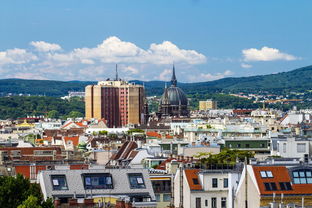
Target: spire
{"points": [[173, 78], [116, 79]]}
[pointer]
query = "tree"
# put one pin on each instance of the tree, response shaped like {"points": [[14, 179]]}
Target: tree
{"points": [[75, 114], [53, 114], [30, 202], [14, 191]]}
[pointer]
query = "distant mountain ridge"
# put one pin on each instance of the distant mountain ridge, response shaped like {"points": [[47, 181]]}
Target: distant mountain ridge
{"points": [[296, 80]]}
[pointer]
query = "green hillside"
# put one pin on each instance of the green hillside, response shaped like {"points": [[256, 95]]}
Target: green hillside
{"points": [[297, 80]]}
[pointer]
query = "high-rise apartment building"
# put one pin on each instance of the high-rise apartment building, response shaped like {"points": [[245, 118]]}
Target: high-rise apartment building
{"points": [[118, 102]]}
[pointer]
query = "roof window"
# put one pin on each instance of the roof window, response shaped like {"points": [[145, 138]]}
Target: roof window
{"points": [[266, 174]]}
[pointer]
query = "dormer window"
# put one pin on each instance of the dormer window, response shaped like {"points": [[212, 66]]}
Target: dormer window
{"points": [[266, 174], [98, 181], [59, 182], [136, 180]]}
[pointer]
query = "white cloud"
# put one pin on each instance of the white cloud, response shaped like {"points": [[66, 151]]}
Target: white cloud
{"points": [[165, 75], [246, 66], [131, 69], [210, 77], [45, 47], [16, 56], [114, 50], [266, 54]]}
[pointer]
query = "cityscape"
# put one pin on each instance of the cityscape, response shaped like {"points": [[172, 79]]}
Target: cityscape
{"points": [[155, 104]]}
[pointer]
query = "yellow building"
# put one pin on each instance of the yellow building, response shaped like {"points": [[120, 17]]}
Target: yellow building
{"points": [[118, 102], [207, 104]]}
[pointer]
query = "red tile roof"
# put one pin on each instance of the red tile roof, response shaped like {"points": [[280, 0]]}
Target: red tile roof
{"points": [[74, 139], [190, 175], [153, 134], [280, 174]]}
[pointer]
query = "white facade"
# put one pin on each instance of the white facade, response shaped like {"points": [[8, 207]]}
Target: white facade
{"points": [[292, 147]]}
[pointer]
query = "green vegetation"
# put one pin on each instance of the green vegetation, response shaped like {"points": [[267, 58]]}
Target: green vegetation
{"points": [[299, 80], [19, 192], [20, 106], [225, 157], [131, 131]]}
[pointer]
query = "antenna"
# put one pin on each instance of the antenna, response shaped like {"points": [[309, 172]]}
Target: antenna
{"points": [[116, 79]]}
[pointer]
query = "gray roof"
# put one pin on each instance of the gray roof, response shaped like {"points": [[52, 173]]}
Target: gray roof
{"points": [[174, 95], [121, 185]]}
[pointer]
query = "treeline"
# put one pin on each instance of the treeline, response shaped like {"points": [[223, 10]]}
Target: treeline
{"points": [[21, 106]]}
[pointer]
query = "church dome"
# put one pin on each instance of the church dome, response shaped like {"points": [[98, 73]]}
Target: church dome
{"points": [[173, 96]]}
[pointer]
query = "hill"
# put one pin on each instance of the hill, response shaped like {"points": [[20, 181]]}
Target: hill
{"points": [[296, 80]]}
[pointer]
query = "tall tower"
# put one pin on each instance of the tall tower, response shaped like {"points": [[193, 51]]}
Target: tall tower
{"points": [[118, 102]]}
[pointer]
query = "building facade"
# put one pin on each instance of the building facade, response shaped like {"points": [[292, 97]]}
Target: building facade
{"points": [[207, 105], [118, 102]]}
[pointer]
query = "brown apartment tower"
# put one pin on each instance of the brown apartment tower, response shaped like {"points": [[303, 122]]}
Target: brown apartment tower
{"points": [[118, 102]]}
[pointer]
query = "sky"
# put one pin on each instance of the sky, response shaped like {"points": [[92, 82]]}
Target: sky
{"points": [[205, 39]]}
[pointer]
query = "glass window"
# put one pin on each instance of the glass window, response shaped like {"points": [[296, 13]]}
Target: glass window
{"points": [[195, 181], [284, 147], [263, 174], [206, 203], [223, 202], [198, 202], [167, 197], [270, 186], [215, 183], [157, 197], [225, 183], [213, 202], [136, 180], [59, 182], [302, 176], [301, 147], [98, 181], [269, 174]]}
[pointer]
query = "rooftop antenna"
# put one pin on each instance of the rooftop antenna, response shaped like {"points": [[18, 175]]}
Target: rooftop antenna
{"points": [[116, 79]]}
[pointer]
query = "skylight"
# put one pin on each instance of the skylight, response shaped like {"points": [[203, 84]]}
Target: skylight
{"points": [[266, 174]]}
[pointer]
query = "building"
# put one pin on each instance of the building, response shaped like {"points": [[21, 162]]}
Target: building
{"points": [[173, 102], [207, 105], [85, 188], [271, 185], [197, 188], [118, 102]]}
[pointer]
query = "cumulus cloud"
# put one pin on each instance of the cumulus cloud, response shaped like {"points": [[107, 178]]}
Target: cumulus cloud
{"points": [[246, 66], [165, 75], [16, 56], [49, 60], [266, 54], [131, 69], [45, 47], [210, 77]]}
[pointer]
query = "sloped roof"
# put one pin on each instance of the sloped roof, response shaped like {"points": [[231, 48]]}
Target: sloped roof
{"points": [[192, 174], [74, 139], [280, 174]]}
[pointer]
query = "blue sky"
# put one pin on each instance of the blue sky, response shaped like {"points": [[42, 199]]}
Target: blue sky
{"points": [[207, 40]]}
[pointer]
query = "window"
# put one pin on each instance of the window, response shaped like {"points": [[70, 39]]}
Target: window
{"points": [[214, 183], [136, 180], [59, 182], [98, 181], [223, 202], [206, 203], [225, 183], [262, 145], [285, 186], [238, 145], [157, 196], [247, 145], [270, 186], [213, 202], [195, 181], [301, 147], [266, 174], [302, 177], [167, 197], [284, 147], [198, 202]]}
